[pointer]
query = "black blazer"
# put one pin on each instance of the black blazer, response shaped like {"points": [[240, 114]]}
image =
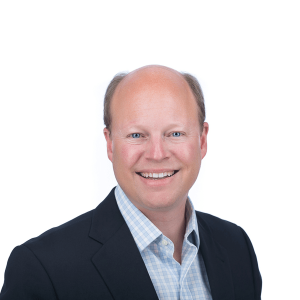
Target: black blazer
{"points": [[95, 257]]}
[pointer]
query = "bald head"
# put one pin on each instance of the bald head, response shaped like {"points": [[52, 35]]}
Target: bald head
{"points": [[153, 78]]}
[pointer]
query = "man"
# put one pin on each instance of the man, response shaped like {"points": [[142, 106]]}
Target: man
{"points": [[145, 240]]}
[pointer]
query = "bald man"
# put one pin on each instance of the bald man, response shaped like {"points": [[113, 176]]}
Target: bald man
{"points": [[145, 240]]}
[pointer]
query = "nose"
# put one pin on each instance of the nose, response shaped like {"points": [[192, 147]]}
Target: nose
{"points": [[156, 149]]}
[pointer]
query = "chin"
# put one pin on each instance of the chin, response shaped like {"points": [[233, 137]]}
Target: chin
{"points": [[161, 202]]}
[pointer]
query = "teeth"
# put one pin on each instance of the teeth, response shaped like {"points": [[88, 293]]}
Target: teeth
{"points": [[157, 175]]}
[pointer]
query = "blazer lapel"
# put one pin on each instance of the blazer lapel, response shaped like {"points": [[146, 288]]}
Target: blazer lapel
{"points": [[119, 261], [216, 263]]}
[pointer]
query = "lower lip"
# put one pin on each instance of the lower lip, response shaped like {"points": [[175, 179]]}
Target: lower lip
{"points": [[157, 182]]}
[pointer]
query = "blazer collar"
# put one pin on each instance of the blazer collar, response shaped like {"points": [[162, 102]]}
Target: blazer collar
{"points": [[216, 263], [119, 261], [106, 219]]}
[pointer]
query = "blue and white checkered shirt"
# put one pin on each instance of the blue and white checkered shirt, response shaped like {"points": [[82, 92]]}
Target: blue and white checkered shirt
{"points": [[170, 279]]}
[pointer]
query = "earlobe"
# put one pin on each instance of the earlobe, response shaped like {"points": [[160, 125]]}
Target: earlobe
{"points": [[203, 139], [108, 144]]}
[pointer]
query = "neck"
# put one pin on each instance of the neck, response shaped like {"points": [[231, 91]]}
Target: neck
{"points": [[172, 224]]}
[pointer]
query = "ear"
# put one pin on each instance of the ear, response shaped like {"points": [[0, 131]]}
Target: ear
{"points": [[108, 144], [203, 139]]}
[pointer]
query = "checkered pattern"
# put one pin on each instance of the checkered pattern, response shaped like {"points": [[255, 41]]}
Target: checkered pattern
{"points": [[170, 279]]}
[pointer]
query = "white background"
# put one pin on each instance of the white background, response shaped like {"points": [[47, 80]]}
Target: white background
{"points": [[57, 58]]}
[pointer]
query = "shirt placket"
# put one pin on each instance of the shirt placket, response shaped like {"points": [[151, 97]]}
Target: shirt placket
{"points": [[190, 252], [173, 267]]}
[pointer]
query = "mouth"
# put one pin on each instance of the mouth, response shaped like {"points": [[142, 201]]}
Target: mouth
{"points": [[157, 176]]}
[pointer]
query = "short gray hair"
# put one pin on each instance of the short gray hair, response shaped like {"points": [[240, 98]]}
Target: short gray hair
{"points": [[190, 79]]}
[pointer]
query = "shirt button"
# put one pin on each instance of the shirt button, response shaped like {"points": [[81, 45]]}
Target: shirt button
{"points": [[164, 242]]}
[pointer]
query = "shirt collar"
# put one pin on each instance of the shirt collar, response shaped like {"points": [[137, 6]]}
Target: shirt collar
{"points": [[143, 230], [191, 232]]}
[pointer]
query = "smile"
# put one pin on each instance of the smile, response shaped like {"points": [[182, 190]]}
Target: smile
{"points": [[157, 176]]}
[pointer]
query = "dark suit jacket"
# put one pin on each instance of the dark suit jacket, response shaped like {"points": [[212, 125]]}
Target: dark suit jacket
{"points": [[95, 257]]}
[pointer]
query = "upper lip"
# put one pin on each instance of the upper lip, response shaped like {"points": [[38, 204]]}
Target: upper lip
{"points": [[156, 170]]}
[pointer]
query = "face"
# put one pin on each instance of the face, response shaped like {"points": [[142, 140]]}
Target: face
{"points": [[155, 145]]}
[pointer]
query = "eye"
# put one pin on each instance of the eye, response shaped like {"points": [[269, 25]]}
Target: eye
{"points": [[176, 134], [135, 135]]}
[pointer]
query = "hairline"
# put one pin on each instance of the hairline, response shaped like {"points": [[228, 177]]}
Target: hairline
{"points": [[191, 81]]}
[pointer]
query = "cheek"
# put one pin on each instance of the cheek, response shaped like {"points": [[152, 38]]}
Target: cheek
{"points": [[189, 153], [127, 155]]}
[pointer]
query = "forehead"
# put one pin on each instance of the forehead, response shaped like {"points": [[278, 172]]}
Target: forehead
{"points": [[154, 92], [152, 78]]}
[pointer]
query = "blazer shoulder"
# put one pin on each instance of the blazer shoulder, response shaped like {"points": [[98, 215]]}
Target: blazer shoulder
{"points": [[224, 232], [70, 233], [78, 229], [216, 224]]}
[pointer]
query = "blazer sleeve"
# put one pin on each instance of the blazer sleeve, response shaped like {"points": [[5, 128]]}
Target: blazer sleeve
{"points": [[25, 278], [257, 280]]}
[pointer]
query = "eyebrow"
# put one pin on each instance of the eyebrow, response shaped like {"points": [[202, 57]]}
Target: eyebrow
{"points": [[146, 128]]}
